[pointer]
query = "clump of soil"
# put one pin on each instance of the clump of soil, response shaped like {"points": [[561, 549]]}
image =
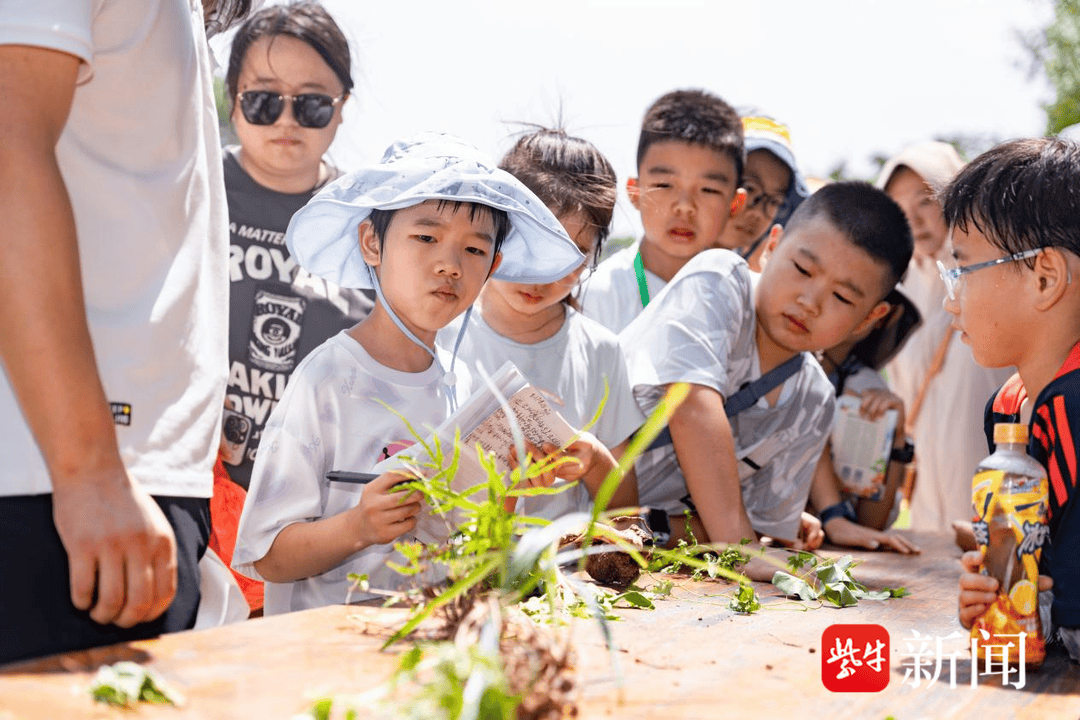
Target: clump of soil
{"points": [[616, 567]]}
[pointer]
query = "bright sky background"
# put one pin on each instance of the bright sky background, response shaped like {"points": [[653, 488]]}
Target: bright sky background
{"points": [[851, 78]]}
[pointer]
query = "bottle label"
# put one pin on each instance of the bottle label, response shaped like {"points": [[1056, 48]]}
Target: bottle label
{"points": [[1010, 527]]}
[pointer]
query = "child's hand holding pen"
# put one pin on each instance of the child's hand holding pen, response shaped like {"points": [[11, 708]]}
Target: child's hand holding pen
{"points": [[384, 513]]}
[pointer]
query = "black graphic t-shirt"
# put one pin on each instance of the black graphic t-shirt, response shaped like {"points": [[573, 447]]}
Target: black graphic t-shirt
{"points": [[278, 312]]}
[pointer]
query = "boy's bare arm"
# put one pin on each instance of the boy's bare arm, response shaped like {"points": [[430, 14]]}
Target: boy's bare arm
{"points": [[120, 547], [825, 492], [594, 463], [304, 549], [705, 447], [875, 513], [627, 493], [603, 462]]}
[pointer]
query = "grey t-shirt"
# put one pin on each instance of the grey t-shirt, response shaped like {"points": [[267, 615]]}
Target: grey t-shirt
{"points": [[700, 330], [278, 312]]}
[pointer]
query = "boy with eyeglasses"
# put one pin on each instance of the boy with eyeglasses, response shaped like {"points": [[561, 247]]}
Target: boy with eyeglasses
{"points": [[1015, 244], [773, 184], [942, 386]]}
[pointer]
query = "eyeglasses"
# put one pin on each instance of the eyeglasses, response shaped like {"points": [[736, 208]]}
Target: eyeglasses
{"points": [[951, 276], [311, 110], [755, 197]]}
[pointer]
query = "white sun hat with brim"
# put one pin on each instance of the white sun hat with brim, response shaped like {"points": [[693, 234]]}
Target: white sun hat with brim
{"points": [[936, 162], [323, 235]]}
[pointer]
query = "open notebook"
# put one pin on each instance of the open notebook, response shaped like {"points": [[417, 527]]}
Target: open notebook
{"points": [[483, 420]]}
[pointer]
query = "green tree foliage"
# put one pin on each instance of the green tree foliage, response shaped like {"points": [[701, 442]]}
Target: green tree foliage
{"points": [[1056, 51], [228, 134]]}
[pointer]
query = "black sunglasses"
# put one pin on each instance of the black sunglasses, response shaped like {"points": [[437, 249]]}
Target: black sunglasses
{"points": [[311, 110]]}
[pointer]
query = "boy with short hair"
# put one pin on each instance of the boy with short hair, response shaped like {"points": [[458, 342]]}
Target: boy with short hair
{"points": [[425, 228], [1013, 215], [747, 470], [690, 161]]}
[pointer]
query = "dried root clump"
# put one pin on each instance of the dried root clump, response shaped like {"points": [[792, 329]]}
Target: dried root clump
{"points": [[539, 668]]}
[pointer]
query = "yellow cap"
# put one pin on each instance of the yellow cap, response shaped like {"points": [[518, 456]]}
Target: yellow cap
{"points": [[1015, 433]]}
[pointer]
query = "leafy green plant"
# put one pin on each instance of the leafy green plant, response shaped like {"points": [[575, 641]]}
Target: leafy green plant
{"points": [[495, 561], [745, 601], [124, 684], [828, 580]]}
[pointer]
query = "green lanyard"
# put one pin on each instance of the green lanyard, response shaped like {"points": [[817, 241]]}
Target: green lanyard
{"points": [[643, 287]]}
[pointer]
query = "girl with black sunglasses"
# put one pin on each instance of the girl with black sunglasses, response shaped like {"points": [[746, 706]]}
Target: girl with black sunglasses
{"points": [[289, 76]]}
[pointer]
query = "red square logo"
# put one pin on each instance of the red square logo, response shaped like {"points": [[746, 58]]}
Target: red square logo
{"points": [[855, 658]]}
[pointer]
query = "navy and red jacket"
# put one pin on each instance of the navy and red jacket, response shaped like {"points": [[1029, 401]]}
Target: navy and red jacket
{"points": [[1052, 440]]}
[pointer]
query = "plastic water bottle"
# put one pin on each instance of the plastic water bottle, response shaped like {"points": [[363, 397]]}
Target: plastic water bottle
{"points": [[1009, 500]]}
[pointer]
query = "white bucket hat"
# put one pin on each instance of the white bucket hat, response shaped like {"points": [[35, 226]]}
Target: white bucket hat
{"points": [[323, 236]]}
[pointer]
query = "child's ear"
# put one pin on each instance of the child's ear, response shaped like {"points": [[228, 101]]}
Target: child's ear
{"points": [[495, 263], [633, 191], [369, 244], [775, 233], [1052, 277], [876, 313], [738, 203]]}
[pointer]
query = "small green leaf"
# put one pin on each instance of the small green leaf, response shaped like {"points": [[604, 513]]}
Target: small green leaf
{"points": [[411, 659], [875, 595], [745, 600], [832, 574], [791, 585], [839, 595], [802, 559], [897, 592], [320, 709], [126, 683], [636, 599]]}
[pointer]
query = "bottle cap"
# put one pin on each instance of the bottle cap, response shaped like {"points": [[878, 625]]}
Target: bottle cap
{"points": [[1015, 433]]}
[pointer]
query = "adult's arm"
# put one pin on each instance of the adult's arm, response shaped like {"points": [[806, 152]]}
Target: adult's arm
{"points": [[121, 548]]}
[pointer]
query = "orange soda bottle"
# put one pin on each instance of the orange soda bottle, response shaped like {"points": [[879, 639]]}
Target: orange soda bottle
{"points": [[1009, 498]]}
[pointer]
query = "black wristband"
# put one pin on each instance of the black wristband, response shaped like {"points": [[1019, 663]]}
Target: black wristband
{"points": [[841, 509], [903, 454]]}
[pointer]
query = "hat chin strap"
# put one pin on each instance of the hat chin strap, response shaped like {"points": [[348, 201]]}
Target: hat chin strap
{"points": [[448, 377]]}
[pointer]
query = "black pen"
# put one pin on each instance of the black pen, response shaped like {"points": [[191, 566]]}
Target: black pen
{"points": [[357, 478]]}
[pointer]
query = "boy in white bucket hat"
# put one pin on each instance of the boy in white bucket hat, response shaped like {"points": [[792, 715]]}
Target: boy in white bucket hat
{"points": [[425, 228]]}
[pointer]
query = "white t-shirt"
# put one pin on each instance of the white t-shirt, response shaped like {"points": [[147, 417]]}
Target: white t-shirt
{"points": [[700, 330], [141, 160], [570, 367], [611, 296], [948, 432], [331, 418]]}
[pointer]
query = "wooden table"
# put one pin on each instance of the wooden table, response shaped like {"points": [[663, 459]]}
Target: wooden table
{"points": [[689, 658]]}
